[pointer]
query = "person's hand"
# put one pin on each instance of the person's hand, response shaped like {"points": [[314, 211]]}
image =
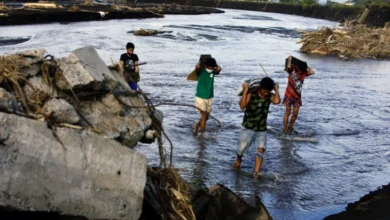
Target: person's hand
{"points": [[276, 87], [245, 86], [310, 71]]}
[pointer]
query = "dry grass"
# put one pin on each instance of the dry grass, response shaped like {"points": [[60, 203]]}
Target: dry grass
{"points": [[2, 6], [39, 5], [357, 41], [88, 2], [11, 75], [74, 8], [175, 193]]}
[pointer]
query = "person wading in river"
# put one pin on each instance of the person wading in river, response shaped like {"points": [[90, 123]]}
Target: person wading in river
{"points": [[205, 91], [254, 126], [128, 66], [292, 96]]}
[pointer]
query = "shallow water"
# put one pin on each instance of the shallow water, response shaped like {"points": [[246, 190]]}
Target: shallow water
{"points": [[345, 104]]}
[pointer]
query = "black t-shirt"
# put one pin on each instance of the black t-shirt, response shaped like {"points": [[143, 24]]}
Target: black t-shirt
{"points": [[128, 61]]}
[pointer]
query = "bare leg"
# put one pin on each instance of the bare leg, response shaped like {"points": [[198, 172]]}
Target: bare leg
{"points": [[285, 119], [293, 117], [196, 128], [237, 164], [258, 160], [202, 122]]}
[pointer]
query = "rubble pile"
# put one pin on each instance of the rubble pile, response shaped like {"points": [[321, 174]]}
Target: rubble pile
{"points": [[67, 129], [356, 41]]}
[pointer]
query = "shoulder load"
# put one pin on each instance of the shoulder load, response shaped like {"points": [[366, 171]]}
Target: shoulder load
{"points": [[253, 84]]}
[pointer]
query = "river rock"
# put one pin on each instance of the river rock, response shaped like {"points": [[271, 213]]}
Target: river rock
{"points": [[87, 176], [8, 102], [84, 70], [61, 111]]}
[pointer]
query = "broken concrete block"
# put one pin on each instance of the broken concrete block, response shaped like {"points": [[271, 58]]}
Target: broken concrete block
{"points": [[84, 70], [87, 176], [61, 111], [8, 102]]}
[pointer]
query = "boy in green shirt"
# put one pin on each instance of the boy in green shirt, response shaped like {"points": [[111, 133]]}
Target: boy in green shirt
{"points": [[205, 91]]}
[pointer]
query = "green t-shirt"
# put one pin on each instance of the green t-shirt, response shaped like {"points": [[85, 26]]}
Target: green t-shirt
{"points": [[205, 87]]}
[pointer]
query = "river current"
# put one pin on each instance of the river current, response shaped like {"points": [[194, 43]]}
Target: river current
{"points": [[345, 110]]}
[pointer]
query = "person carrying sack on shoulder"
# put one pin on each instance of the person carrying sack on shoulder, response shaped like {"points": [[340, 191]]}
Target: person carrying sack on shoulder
{"points": [[205, 91], [128, 66], [254, 126], [297, 71]]}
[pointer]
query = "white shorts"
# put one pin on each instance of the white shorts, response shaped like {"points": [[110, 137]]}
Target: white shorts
{"points": [[203, 104]]}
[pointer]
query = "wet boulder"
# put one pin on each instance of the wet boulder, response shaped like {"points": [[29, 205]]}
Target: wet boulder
{"points": [[61, 111], [72, 172], [84, 70]]}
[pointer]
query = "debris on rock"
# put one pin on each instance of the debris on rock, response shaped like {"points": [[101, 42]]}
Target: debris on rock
{"points": [[168, 196], [145, 32], [357, 41]]}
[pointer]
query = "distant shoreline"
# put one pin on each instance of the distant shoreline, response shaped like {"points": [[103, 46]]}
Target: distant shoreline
{"points": [[40, 14]]}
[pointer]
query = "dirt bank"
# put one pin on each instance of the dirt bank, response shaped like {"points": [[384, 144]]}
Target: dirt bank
{"points": [[78, 12], [378, 15], [374, 205]]}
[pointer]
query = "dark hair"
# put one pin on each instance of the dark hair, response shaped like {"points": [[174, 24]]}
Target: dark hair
{"points": [[267, 83], [211, 62], [129, 45]]}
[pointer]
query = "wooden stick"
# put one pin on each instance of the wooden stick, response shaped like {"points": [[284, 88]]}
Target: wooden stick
{"points": [[263, 69]]}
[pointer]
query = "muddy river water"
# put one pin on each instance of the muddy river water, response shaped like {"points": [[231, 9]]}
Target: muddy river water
{"points": [[345, 108]]}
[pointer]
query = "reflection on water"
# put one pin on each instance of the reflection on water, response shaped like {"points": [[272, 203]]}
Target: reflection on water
{"points": [[345, 104]]}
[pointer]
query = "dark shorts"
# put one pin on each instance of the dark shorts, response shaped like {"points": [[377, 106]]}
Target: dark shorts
{"points": [[287, 101]]}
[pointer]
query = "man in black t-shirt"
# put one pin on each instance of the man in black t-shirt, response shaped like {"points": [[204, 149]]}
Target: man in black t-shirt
{"points": [[128, 66]]}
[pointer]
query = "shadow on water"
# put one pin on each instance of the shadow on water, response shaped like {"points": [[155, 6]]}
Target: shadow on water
{"points": [[276, 31], [255, 17], [4, 41]]}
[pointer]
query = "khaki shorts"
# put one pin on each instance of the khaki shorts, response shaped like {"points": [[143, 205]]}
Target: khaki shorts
{"points": [[203, 104]]}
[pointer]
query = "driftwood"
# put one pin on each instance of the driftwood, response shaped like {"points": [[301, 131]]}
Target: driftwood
{"points": [[168, 196], [357, 41]]}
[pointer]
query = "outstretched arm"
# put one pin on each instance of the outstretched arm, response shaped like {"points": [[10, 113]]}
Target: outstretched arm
{"points": [[246, 96], [121, 64], [275, 98], [198, 67], [136, 68]]}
